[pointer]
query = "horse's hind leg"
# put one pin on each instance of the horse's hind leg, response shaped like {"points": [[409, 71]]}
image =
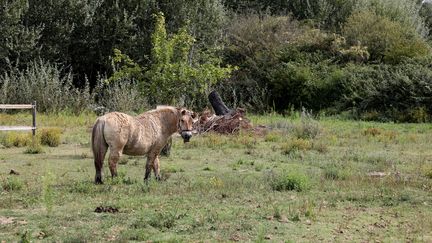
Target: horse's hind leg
{"points": [[98, 162], [113, 159], [156, 168]]}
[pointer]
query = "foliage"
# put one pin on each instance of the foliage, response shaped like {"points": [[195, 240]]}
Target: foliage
{"points": [[47, 84], [287, 54], [396, 92], [175, 76], [18, 42], [386, 39], [120, 95], [253, 44]]}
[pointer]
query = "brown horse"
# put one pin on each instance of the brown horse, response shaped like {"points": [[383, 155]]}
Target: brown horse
{"points": [[145, 134]]}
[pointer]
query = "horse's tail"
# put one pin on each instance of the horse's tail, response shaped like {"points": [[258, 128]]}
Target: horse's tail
{"points": [[99, 147]]}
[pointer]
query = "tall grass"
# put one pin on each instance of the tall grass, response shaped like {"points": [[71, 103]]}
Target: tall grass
{"points": [[120, 95], [49, 85]]}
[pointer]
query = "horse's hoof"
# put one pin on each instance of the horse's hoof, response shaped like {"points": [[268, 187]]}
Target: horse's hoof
{"points": [[98, 181]]}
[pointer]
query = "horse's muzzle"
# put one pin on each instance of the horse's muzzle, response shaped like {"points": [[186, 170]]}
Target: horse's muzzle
{"points": [[186, 135]]}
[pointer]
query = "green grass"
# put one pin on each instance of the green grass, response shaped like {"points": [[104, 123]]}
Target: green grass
{"points": [[222, 188]]}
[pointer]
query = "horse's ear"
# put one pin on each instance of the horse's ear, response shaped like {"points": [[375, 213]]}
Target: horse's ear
{"points": [[183, 112], [194, 115]]}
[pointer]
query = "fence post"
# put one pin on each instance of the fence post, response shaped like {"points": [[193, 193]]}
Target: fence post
{"points": [[34, 118]]}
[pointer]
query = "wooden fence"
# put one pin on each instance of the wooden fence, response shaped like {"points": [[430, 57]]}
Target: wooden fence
{"points": [[20, 107]]}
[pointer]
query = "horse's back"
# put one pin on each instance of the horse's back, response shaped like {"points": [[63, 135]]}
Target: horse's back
{"points": [[118, 128]]}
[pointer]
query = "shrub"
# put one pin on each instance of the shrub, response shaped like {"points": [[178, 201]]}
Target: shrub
{"points": [[386, 40], [47, 84], [290, 181], [253, 44], [50, 136], [120, 95], [387, 92]]}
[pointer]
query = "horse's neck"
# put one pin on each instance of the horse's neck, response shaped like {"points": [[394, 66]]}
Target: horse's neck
{"points": [[168, 120]]}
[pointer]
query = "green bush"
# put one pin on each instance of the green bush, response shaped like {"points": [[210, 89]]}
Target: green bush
{"points": [[253, 44], [386, 39], [50, 136], [388, 92], [290, 181]]}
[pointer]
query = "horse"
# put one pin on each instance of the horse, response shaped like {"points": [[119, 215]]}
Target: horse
{"points": [[145, 134]]}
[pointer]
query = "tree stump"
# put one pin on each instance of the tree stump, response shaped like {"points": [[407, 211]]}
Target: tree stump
{"points": [[217, 103]]}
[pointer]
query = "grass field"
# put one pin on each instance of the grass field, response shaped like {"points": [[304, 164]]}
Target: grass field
{"points": [[304, 181]]}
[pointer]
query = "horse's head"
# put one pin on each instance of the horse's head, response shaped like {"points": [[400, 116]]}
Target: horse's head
{"points": [[185, 124]]}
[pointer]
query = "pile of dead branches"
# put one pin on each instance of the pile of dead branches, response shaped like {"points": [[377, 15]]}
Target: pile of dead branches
{"points": [[229, 123]]}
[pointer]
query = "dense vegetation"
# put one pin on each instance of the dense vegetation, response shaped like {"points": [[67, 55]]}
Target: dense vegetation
{"points": [[368, 59]]}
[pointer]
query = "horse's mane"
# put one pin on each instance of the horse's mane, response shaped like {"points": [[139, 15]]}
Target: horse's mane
{"points": [[159, 109]]}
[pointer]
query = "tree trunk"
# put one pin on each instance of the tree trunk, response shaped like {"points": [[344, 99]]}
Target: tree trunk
{"points": [[217, 103]]}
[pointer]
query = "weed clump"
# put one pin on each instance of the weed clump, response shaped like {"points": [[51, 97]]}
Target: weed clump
{"points": [[51, 137], [296, 145], [15, 139], [291, 181], [34, 147], [372, 131], [12, 184], [272, 137], [309, 128], [333, 172]]}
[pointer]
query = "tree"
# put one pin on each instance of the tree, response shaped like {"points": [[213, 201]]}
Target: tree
{"points": [[174, 76], [18, 42]]}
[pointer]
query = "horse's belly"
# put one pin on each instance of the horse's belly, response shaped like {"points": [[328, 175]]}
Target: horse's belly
{"points": [[135, 150]]}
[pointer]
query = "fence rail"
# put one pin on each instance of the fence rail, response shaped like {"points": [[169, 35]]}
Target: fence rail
{"points": [[20, 107]]}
